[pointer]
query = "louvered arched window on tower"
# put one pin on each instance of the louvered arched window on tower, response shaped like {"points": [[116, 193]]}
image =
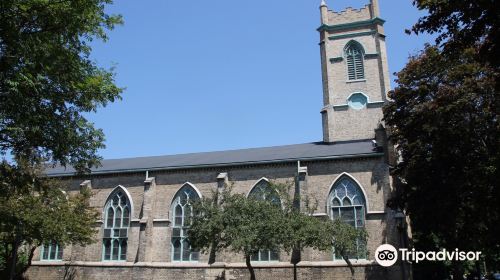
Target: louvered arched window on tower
{"points": [[354, 58]]}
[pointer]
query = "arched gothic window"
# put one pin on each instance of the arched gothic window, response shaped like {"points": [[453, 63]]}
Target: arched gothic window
{"points": [[262, 191], [354, 53], [116, 223], [181, 210], [347, 202]]}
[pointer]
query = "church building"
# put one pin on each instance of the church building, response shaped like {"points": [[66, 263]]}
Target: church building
{"points": [[145, 201]]}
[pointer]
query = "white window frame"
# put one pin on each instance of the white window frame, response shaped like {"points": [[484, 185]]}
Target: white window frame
{"points": [[264, 183], [113, 232], [58, 256], [191, 193], [356, 201]]}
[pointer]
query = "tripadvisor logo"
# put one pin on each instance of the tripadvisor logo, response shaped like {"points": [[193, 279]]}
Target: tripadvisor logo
{"points": [[386, 255]]}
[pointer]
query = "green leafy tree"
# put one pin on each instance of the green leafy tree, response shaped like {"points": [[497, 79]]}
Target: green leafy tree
{"points": [[252, 225], [237, 223], [38, 212], [207, 226], [47, 81], [303, 230], [228, 221], [344, 238], [462, 24], [444, 121]]}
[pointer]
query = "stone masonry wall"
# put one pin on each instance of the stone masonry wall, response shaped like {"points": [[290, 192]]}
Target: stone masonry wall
{"points": [[341, 122], [214, 272], [370, 173]]}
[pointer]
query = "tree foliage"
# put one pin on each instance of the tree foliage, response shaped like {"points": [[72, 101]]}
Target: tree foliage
{"points": [[229, 221], [444, 121], [47, 82], [38, 212], [235, 222], [47, 79], [462, 24]]}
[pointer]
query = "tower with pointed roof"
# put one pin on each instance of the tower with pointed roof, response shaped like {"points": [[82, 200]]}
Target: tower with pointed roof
{"points": [[354, 71]]}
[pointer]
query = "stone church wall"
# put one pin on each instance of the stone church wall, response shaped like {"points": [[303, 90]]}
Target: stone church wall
{"points": [[370, 173], [216, 272]]}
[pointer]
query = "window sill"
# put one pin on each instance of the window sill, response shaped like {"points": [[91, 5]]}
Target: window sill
{"points": [[375, 104], [285, 264], [354, 262], [355, 81], [161, 221], [320, 215], [340, 107]]}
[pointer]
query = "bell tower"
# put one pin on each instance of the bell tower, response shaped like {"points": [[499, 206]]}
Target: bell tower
{"points": [[354, 71]]}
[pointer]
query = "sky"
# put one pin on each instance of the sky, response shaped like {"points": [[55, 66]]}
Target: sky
{"points": [[216, 75]]}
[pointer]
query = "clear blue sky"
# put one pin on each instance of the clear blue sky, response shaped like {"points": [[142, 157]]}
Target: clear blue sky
{"points": [[218, 75]]}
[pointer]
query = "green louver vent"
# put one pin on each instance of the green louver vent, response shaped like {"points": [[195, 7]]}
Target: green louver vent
{"points": [[354, 59]]}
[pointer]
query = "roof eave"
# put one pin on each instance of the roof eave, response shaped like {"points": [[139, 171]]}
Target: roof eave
{"points": [[200, 166]]}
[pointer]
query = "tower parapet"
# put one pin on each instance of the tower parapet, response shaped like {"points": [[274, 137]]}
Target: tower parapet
{"points": [[349, 15]]}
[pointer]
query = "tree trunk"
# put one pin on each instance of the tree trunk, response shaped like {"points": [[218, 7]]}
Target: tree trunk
{"points": [[32, 252], [6, 258], [295, 260], [458, 271], [349, 264], [15, 247], [30, 259], [218, 203], [211, 257], [478, 269], [249, 266]]}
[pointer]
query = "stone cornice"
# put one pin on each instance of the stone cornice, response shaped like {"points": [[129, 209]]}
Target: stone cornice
{"points": [[351, 25]]}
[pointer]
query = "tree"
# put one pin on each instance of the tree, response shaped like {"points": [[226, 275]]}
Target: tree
{"points": [[232, 221], [207, 226], [444, 121], [303, 230], [228, 221], [47, 82], [462, 24], [344, 238], [253, 225], [41, 213]]}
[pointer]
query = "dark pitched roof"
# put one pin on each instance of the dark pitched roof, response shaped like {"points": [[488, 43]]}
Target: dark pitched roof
{"points": [[307, 151]]}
